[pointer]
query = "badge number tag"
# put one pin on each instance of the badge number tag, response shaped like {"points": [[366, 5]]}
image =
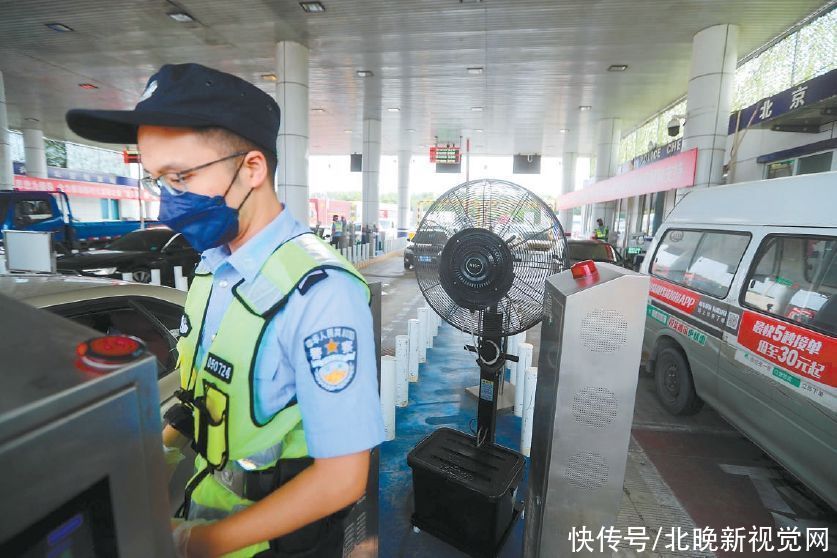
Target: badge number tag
{"points": [[219, 368]]}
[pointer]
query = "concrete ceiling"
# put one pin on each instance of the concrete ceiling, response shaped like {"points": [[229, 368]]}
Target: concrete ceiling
{"points": [[541, 60]]}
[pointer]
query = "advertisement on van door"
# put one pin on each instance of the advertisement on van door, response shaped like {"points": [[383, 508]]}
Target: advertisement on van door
{"points": [[800, 358]]}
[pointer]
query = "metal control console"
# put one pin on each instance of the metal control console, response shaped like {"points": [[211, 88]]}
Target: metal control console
{"points": [[80, 451]]}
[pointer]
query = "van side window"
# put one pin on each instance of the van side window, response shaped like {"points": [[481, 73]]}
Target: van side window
{"points": [[705, 261], [795, 278]]}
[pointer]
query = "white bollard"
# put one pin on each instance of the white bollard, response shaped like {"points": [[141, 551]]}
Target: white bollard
{"points": [[180, 282], [523, 364], [435, 321], [127, 276], [512, 349], [388, 395], [402, 379], [413, 331], [424, 333], [530, 384], [426, 326], [155, 277]]}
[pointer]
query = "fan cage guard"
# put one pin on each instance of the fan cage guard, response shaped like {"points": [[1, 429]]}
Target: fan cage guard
{"points": [[527, 225]]}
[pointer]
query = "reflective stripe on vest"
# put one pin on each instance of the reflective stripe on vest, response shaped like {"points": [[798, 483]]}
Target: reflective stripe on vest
{"points": [[222, 381]]}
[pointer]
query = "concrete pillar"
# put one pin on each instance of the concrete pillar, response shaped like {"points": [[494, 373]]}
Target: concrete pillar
{"points": [[292, 143], [607, 160], [371, 168], [714, 53], [6, 168], [568, 164], [403, 192], [35, 153]]}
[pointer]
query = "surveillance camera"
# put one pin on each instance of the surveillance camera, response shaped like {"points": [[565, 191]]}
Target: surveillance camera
{"points": [[673, 126]]}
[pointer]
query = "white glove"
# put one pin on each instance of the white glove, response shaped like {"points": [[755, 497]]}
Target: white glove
{"points": [[181, 532], [172, 457]]}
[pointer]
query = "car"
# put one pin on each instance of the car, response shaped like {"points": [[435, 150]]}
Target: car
{"points": [[596, 250], [424, 247], [149, 312], [137, 253]]}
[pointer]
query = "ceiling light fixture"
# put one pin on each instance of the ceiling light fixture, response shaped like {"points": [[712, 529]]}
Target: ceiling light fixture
{"points": [[347, 131], [88, 86], [584, 108], [364, 73], [312, 7], [617, 68], [410, 130], [475, 70], [30, 119], [269, 77], [478, 130], [563, 130], [181, 17], [476, 109], [59, 27], [318, 110], [393, 109]]}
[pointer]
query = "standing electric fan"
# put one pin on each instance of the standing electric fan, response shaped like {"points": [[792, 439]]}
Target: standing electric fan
{"points": [[483, 252]]}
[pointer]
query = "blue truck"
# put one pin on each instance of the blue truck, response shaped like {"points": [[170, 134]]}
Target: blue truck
{"points": [[51, 212]]}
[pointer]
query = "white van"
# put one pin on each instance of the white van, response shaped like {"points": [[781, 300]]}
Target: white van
{"points": [[742, 315]]}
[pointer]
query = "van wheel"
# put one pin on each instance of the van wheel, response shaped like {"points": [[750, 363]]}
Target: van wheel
{"points": [[675, 387]]}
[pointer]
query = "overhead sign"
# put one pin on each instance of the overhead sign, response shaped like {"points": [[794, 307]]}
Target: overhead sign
{"points": [[668, 174], [447, 155], [130, 156], [797, 97], [81, 189], [668, 150]]}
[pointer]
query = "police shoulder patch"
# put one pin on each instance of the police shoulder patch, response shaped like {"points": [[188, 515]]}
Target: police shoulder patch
{"points": [[332, 356]]}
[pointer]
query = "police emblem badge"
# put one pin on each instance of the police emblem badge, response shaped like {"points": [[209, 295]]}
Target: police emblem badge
{"points": [[332, 356]]}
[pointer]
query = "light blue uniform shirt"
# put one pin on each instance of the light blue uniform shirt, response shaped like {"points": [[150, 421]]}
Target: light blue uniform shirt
{"points": [[340, 418]]}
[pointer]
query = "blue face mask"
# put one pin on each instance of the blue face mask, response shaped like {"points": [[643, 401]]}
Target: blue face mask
{"points": [[205, 222]]}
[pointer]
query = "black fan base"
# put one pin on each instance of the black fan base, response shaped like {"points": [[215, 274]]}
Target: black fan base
{"points": [[464, 494], [444, 534]]}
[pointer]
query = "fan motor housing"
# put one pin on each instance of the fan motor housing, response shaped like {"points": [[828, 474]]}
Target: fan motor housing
{"points": [[476, 268]]}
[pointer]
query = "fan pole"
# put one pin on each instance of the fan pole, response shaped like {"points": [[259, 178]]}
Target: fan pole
{"points": [[491, 359]]}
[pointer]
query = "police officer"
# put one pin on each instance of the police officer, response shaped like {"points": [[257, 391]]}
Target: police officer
{"points": [[601, 232], [277, 357], [336, 232]]}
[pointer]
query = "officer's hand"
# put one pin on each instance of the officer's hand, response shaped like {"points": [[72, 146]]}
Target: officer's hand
{"points": [[172, 457], [186, 538]]}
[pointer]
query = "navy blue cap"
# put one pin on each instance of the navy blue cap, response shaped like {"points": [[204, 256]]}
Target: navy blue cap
{"points": [[187, 95]]}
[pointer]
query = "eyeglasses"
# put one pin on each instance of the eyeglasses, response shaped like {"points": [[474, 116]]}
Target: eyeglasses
{"points": [[175, 182]]}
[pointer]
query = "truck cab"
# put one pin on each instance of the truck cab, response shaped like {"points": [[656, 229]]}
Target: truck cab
{"points": [[32, 211]]}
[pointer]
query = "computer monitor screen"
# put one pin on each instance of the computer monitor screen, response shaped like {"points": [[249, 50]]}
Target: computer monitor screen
{"points": [[82, 526]]}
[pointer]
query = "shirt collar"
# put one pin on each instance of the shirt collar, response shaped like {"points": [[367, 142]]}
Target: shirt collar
{"points": [[250, 258]]}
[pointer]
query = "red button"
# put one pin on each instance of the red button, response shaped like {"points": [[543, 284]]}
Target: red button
{"points": [[587, 268], [110, 352]]}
